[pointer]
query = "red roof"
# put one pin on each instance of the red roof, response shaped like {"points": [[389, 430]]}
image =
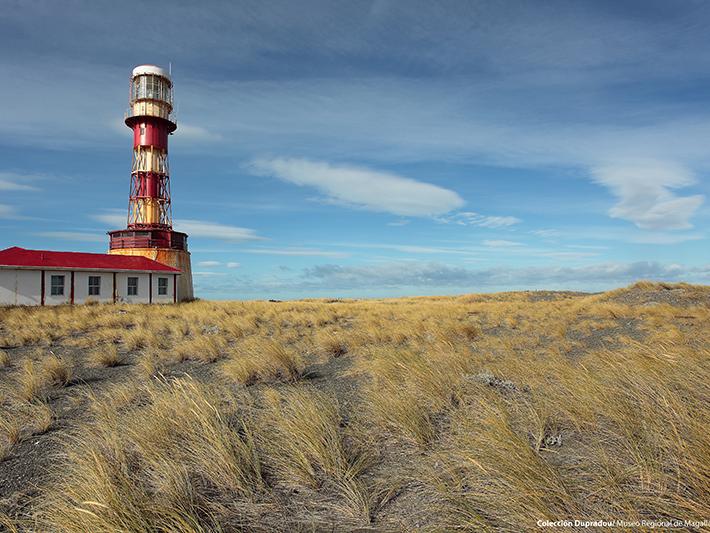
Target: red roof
{"points": [[19, 257]]}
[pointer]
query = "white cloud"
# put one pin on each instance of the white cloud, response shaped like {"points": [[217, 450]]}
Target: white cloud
{"points": [[295, 252], [195, 133], [546, 233], [233, 264], [470, 218], [214, 230], [8, 211], [644, 193], [112, 218], [568, 255], [363, 187], [208, 264], [74, 236], [10, 181], [665, 238], [501, 243]]}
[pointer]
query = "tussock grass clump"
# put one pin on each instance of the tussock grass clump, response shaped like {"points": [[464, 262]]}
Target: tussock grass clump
{"points": [[106, 355], [4, 359], [410, 389], [153, 363], [153, 466], [7, 523], [493, 478], [263, 359], [57, 370], [30, 382], [10, 431], [206, 348], [469, 331], [333, 345], [21, 420], [41, 418], [304, 446]]}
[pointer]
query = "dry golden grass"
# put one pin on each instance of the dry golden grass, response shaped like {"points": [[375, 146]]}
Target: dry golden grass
{"points": [[478, 412], [41, 418], [153, 465], [206, 348], [57, 370], [106, 355], [263, 359], [4, 359], [30, 382], [304, 446], [10, 430]]}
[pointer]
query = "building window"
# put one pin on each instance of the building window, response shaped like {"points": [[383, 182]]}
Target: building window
{"points": [[162, 286], [57, 286], [132, 286], [94, 285]]}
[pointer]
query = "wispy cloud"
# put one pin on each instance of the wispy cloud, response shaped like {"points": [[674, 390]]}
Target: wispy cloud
{"points": [[644, 193], [114, 218], [546, 233], [665, 238], [214, 230], [8, 211], [189, 132], [307, 252], [79, 236], [11, 181], [499, 243], [233, 264], [362, 187], [207, 264], [470, 218]]}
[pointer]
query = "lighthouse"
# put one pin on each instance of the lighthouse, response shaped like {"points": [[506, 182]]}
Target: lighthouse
{"points": [[149, 230]]}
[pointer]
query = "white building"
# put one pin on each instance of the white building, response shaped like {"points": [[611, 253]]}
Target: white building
{"points": [[39, 277]]}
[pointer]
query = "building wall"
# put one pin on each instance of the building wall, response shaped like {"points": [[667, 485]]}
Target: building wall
{"points": [[20, 287], [59, 299], [24, 287], [81, 287], [166, 298], [143, 296]]}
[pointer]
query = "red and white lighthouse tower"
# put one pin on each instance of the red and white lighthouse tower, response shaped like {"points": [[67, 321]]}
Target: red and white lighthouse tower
{"points": [[149, 231]]}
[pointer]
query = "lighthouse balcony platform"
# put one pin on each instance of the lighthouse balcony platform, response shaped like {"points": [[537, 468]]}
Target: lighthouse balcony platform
{"points": [[147, 238]]}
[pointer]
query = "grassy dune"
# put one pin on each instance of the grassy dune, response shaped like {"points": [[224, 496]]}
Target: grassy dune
{"points": [[478, 412]]}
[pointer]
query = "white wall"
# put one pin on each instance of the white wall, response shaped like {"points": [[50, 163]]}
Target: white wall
{"points": [[24, 287], [143, 296], [167, 298], [81, 287], [56, 300], [20, 287]]}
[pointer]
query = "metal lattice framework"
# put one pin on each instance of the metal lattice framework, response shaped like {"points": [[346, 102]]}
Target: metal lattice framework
{"points": [[148, 210]]}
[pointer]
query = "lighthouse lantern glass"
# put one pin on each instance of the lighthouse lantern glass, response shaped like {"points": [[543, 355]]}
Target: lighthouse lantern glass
{"points": [[151, 87]]}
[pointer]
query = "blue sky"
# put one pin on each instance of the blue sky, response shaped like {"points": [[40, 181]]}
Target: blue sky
{"points": [[373, 148]]}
